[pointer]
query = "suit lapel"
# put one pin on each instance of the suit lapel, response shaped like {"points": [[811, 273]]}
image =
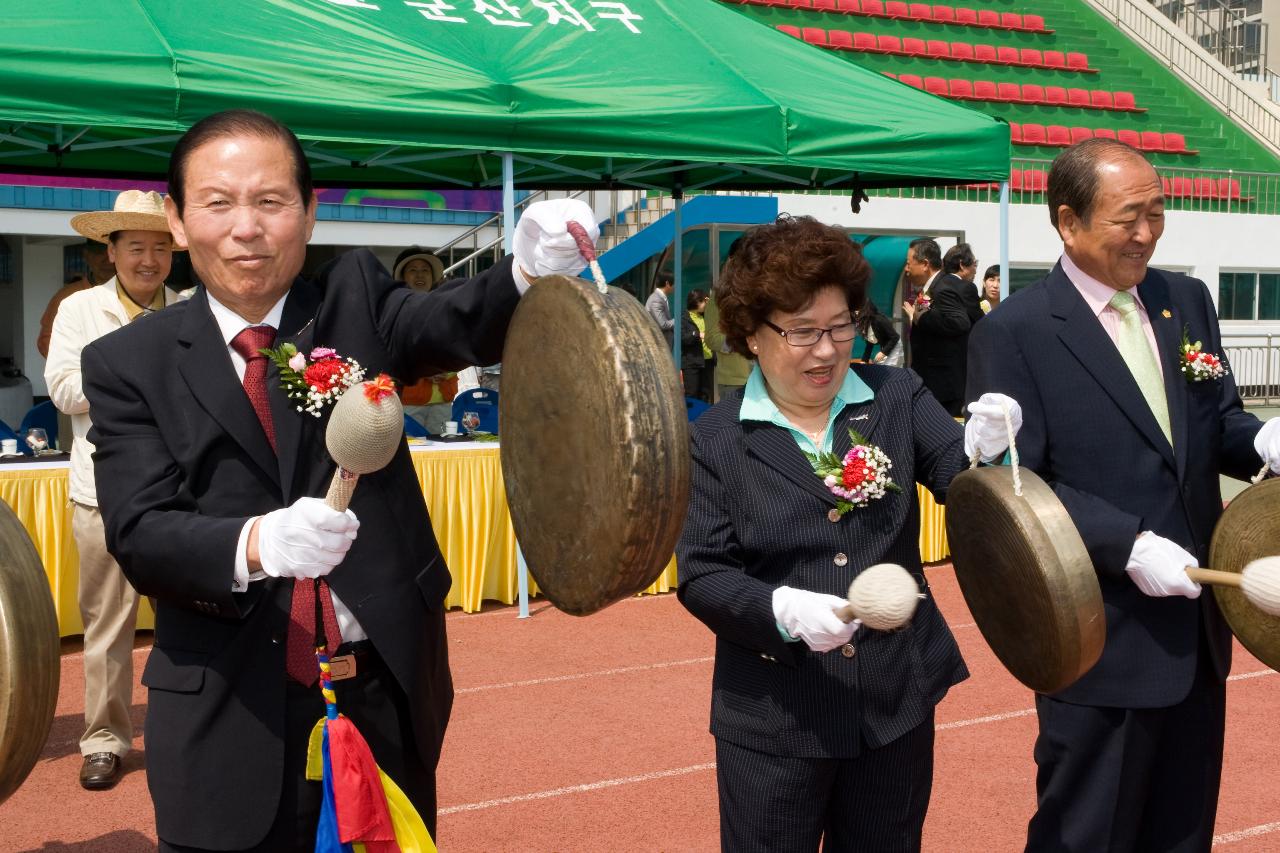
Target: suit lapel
{"points": [[206, 367], [297, 326], [775, 447], [1158, 301], [1088, 341]]}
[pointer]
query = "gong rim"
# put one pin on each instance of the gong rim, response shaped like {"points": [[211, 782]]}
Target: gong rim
{"points": [[1248, 529], [1026, 576], [29, 654], [594, 446]]}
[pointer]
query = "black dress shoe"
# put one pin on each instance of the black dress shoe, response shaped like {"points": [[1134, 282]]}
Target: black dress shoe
{"points": [[100, 770]]}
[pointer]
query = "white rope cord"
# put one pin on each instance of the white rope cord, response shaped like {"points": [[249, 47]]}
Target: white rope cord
{"points": [[588, 252], [1013, 452], [598, 275], [1258, 477]]}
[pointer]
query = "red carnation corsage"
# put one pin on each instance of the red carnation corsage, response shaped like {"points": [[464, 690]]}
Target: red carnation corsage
{"points": [[1196, 365], [315, 382], [859, 478]]}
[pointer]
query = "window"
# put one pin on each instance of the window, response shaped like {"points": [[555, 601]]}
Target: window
{"points": [[1020, 277], [1249, 295]]}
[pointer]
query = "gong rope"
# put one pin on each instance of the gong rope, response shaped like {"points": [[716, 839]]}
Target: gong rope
{"points": [[588, 252], [1013, 452]]}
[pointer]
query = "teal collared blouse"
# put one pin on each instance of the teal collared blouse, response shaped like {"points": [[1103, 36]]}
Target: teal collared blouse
{"points": [[757, 406]]}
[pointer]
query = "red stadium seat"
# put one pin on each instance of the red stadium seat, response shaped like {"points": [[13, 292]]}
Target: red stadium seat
{"points": [[815, 35], [981, 53], [962, 51], [873, 8], [840, 39], [1008, 92], [984, 90], [789, 30], [1077, 62], [966, 16], [1125, 101], [961, 90], [1078, 98], [1180, 188], [1204, 188], [1030, 57], [888, 44], [1130, 138], [890, 75], [939, 49], [800, 4], [1033, 23], [896, 9], [1008, 56], [989, 18], [1015, 180], [825, 5], [1152, 140], [1033, 134], [1015, 133], [1055, 96], [1176, 143], [865, 42], [1229, 188], [1055, 59], [1032, 93], [912, 80], [1058, 135], [1034, 180], [935, 86], [920, 12], [1011, 20], [1102, 99], [1080, 134], [849, 7], [1104, 133], [913, 46], [944, 14]]}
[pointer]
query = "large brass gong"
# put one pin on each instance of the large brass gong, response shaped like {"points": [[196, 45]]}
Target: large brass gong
{"points": [[28, 654], [1026, 576], [595, 443], [1249, 529]]}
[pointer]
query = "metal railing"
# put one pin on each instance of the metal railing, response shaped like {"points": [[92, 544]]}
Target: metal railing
{"points": [[1141, 21], [1255, 362], [1236, 40]]}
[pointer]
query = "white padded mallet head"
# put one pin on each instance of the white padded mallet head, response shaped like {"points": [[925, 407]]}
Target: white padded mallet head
{"points": [[884, 596], [1260, 582]]}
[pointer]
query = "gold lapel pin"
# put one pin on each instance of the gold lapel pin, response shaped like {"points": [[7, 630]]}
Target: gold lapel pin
{"points": [[1165, 314]]}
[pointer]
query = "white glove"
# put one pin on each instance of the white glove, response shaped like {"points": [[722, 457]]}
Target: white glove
{"points": [[1267, 443], [1159, 567], [543, 246], [986, 433], [305, 540], [811, 617]]}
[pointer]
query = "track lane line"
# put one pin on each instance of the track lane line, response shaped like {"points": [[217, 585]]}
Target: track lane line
{"points": [[578, 789], [1242, 834], [552, 679]]}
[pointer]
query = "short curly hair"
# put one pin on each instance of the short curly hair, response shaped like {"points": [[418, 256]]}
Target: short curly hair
{"points": [[781, 267]]}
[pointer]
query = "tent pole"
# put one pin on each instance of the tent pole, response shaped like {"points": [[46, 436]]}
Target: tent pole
{"points": [[1004, 240], [508, 201], [678, 248]]}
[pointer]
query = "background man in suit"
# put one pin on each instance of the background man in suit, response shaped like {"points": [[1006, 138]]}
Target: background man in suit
{"points": [[1130, 755], [960, 263], [659, 307], [207, 475], [940, 323]]}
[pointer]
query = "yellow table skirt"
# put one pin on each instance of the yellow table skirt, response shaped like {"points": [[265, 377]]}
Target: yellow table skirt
{"points": [[464, 493]]}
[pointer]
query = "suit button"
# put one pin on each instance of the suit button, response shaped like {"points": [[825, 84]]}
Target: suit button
{"points": [[277, 639], [848, 650], [841, 559], [833, 515]]}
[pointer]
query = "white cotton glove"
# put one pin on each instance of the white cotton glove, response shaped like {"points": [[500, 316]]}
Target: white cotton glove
{"points": [[1159, 567], [811, 617], [986, 433], [543, 246], [1267, 443], [305, 540]]}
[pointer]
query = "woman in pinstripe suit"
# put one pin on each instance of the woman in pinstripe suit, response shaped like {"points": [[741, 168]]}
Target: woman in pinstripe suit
{"points": [[824, 733]]}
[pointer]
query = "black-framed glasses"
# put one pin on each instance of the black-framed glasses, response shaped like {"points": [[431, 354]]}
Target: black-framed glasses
{"points": [[806, 336]]}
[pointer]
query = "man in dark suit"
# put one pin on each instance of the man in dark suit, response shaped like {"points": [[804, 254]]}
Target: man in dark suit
{"points": [[208, 476], [1130, 755], [940, 323]]}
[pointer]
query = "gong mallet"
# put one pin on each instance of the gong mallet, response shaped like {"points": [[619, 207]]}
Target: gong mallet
{"points": [[363, 435], [883, 596], [1259, 580]]}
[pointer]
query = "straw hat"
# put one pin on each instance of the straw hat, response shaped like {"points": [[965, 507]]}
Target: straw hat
{"points": [[418, 253], [135, 210]]}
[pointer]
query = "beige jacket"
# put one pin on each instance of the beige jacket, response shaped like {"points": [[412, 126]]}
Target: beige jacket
{"points": [[82, 318]]}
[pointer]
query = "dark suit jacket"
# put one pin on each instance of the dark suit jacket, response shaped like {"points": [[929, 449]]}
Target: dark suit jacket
{"points": [[182, 463], [1090, 434], [940, 339], [758, 520]]}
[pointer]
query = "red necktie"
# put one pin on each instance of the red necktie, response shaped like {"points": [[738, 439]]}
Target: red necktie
{"points": [[300, 660]]}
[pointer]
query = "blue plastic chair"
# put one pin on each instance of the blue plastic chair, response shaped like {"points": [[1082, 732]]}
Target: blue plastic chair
{"points": [[413, 429], [42, 415], [7, 432], [695, 406], [483, 402]]}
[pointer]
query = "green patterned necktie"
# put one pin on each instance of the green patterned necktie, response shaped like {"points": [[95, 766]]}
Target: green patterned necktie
{"points": [[1135, 349]]}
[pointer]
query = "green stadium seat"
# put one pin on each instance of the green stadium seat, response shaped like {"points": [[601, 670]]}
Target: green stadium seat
{"points": [[1033, 134], [935, 86], [1055, 96], [961, 90], [966, 17], [939, 49], [920, 12], [1032, 93], [913, 46], [962, 51], [1055, 59], [1058, 135]]}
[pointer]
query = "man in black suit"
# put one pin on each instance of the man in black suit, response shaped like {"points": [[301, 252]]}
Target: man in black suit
{"points": [[940, 322], [208, 490], [1130, 755]]}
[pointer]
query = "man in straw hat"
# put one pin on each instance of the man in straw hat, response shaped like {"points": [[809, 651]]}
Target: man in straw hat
{"points": [[211, 483], [137, 241]]}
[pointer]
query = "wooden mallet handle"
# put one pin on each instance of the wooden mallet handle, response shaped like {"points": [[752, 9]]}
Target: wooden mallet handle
{"points": [[1215, 577]]}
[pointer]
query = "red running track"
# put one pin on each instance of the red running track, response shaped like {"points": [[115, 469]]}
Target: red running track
{"points": [[590, 734]]}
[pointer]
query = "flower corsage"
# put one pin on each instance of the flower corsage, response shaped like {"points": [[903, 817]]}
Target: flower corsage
{"points": [[1199, 366], [861, 477], [316, 382]]}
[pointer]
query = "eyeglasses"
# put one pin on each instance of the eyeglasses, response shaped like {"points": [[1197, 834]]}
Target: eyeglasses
{"points": [[807, 337]]}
